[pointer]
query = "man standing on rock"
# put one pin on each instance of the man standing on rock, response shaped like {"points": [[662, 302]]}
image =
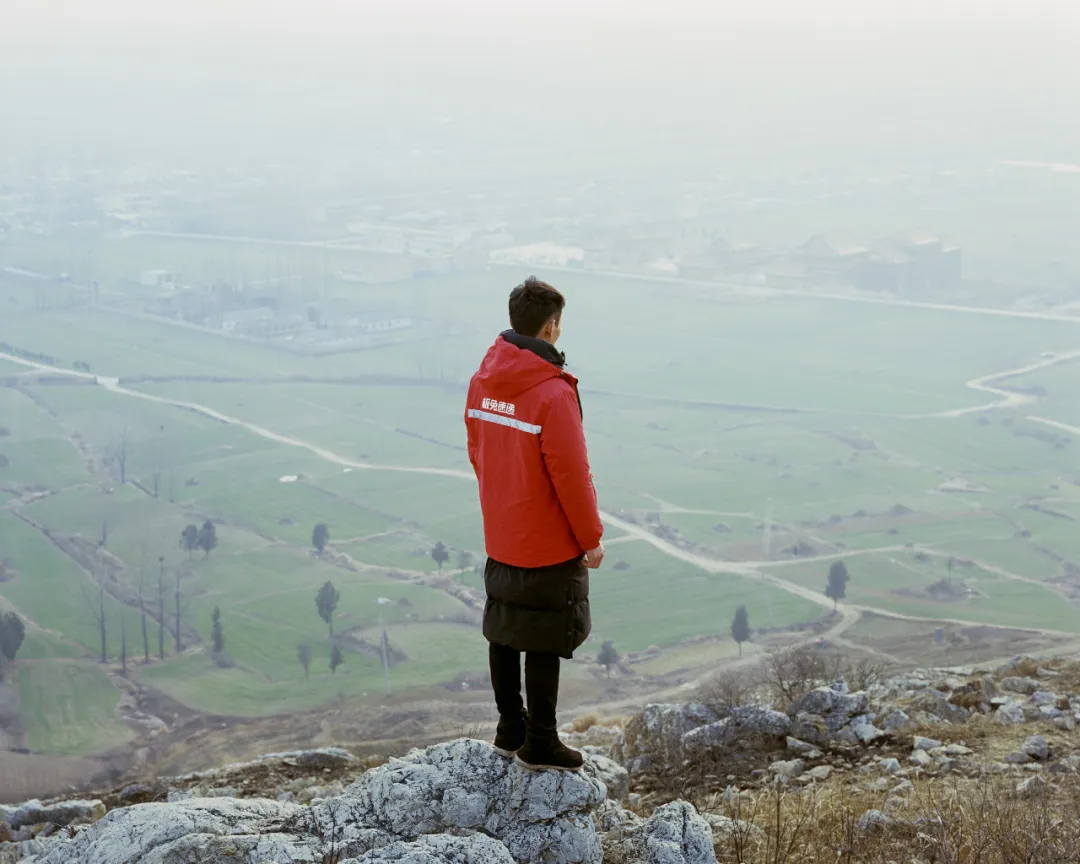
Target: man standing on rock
{"points": [[542, 527]]}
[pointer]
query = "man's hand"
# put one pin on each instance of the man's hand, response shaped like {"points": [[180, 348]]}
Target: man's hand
{"points": [[594, 557]]}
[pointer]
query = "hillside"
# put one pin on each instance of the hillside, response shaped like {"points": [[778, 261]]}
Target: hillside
{"points": [[761, 438], [932, 765]]}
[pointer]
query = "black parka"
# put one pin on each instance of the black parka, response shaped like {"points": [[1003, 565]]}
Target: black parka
{"points": [[544, 610]]}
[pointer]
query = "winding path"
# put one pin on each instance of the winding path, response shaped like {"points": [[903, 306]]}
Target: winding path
{"points": [[847, 615]]}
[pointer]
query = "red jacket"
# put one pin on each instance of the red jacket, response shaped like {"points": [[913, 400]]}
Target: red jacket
{"points": [[527, 447]]}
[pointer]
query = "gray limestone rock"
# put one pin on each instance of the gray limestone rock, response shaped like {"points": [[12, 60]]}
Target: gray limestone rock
{"points": [[207, 829], [439, 849], [541, 816], [674, 834], [33, 812], [1025, 686], [1037, 748]]}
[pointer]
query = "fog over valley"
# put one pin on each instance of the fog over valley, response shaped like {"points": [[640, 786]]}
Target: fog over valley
{"points": [[723, 359]]}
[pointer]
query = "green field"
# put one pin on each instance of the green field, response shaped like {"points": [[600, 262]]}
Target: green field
{"points": [[678, 389], [70, 708]]}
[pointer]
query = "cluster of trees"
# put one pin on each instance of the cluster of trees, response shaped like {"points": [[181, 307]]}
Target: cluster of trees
{"points": [[303, 654], [193, 537]]}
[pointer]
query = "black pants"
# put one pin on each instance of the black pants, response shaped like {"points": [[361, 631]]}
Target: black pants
{"points": [[541, 687]]}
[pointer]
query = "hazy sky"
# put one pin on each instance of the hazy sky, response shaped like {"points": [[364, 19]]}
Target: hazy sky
{"points": [[625, 79]]}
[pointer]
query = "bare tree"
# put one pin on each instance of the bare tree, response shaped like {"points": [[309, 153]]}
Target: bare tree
{"points": [[97, 607], [142, 607], [120, 453], [161, 607], [179, 612], [123, 643], [156, 468]]}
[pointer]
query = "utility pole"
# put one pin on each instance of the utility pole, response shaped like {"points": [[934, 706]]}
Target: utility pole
{"points": [[766, 544]]}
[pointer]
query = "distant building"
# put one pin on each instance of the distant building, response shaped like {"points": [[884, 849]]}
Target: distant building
{"points": [[244, 319], [914, 262], [157, 278]]}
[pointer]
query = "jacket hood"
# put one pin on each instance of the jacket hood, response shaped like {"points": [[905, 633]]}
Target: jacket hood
{"points": [[514, 365]]}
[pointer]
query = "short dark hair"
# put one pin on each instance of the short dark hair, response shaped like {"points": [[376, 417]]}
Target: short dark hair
{"points": [[532, 304]]}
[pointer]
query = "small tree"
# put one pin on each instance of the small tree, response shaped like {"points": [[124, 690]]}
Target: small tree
{"points": [[320, 536], [464, 560], [740, 627], [608, 657], [303, 654], [217, 634], [12, 633], [123, 644], [326, 602], [208, 537], [189, 539], [950, 563], [836, 589], [336, 658], [440, 555]]}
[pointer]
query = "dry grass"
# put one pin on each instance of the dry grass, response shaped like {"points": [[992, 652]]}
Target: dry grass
{"points": [[956, 822], [584, 723]]}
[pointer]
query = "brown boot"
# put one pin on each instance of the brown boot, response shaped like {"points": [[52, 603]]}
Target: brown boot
{"points": [[542, 753], [509, 736]]}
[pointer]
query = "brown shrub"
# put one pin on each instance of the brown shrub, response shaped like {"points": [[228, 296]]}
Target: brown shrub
{"points": [[584, 723], [961, 822]]}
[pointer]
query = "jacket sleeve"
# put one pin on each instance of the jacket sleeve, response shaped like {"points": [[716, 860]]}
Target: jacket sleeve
{"points": [[562, 443]]}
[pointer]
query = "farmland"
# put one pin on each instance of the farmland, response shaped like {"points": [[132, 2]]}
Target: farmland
{"points": [[844, 423]]}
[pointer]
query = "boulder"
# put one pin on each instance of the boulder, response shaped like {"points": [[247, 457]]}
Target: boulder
{"points": [[439, 849], [864, 729], [742, 723], [658, 730], [873, 821], [892, 766], [63, 813], [819, 701], [834, 704], [1018, 758], [819, 773], [675, 834], [788, 770], [1024, 686], [801, 748], [921, 759], [896, 721], [1032, 787], [726, 830], [936, 705], [1037, 748], [541, 816], [921, 743], [206, 829], [751, 720], [323, 757], [1011, 713], [811, 728], [615, 778], [1044, 698]]}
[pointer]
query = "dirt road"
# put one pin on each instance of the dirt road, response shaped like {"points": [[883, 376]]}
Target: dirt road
{"points": [[847, 615]]}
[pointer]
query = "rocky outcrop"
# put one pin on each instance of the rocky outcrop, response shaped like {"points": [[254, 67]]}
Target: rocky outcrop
{"points": [[200, 830], [674, 834], [465, 786], [456, 802], [657, 732]]}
